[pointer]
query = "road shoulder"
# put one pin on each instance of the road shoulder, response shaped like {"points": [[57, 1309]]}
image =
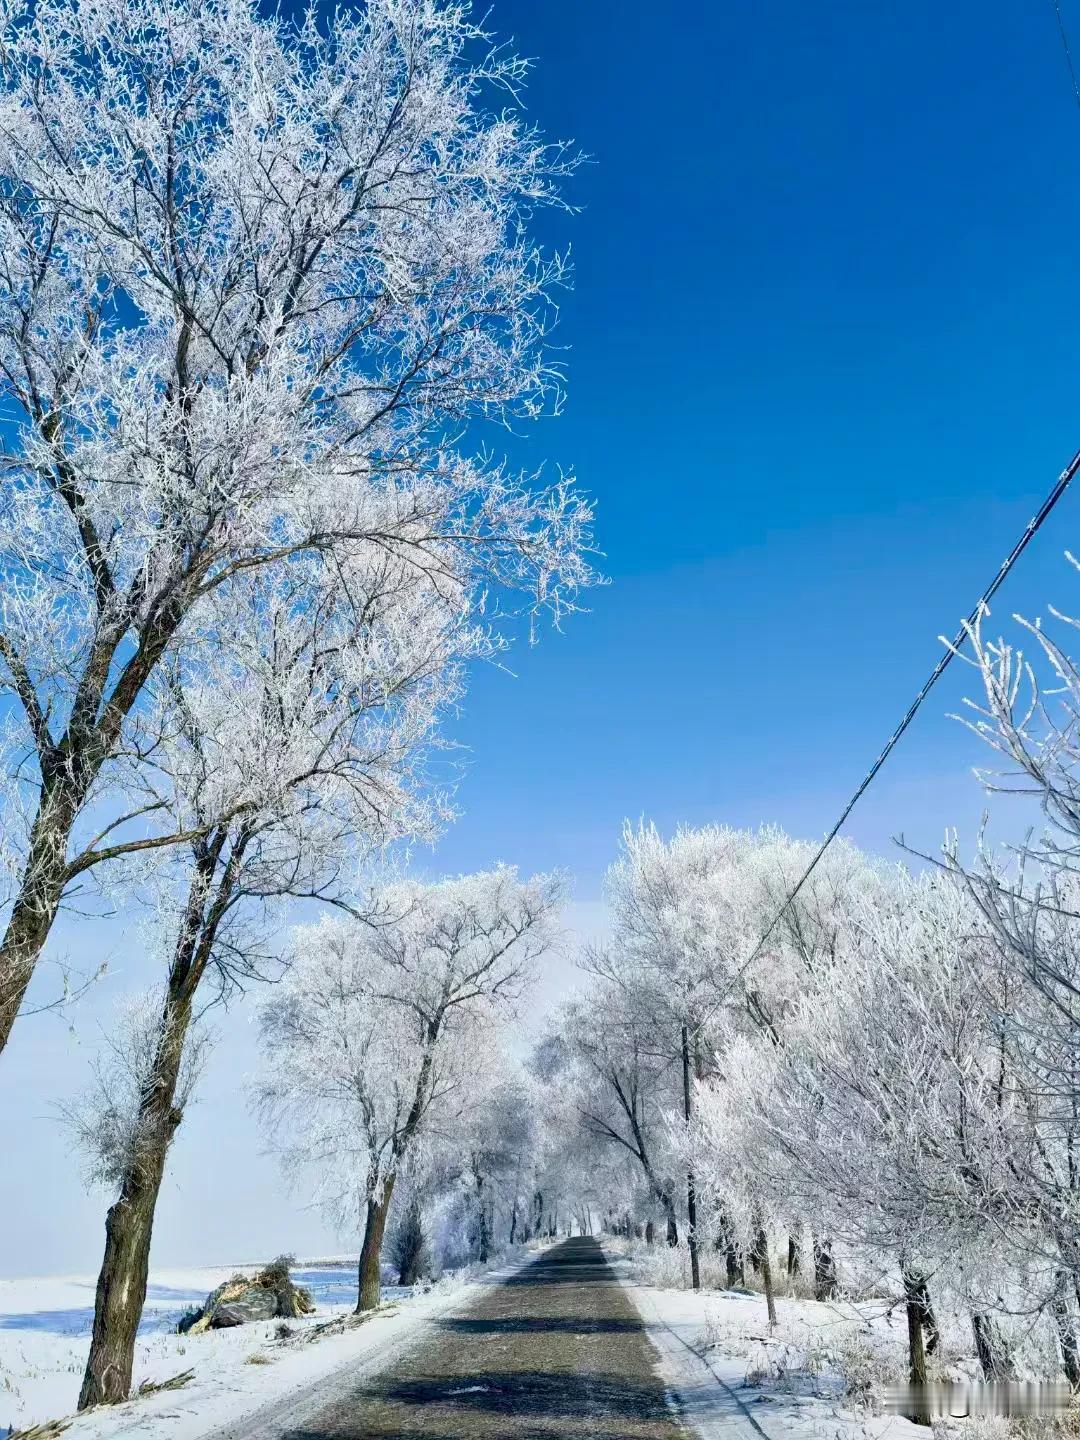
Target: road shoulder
{"points": [[701, 1390], [709, 1389]]}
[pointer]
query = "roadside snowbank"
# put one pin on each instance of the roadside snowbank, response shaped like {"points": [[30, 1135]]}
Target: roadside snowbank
{"points": [[44, 1334], [732, 1380]]}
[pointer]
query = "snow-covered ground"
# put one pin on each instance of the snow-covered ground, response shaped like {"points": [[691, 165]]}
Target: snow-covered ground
{"points": [[733, 1380], [45, 1327]]}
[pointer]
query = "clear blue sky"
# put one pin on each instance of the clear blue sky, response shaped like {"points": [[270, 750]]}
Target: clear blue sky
{"points": [[822, 366], [821, 370]]}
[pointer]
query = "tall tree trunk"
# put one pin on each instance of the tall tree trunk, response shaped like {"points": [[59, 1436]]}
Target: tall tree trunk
{"points": [[671, 1223], [733, 1263], [483, 1239], [691, 1188], [38, 901], [993, 1355], [825, 1283], [411, 1243], [725, 1241], [930, 1325], [914, 1285], [68, 772], [650, 1231], [793, 1254], [1066, 1330], [121, 1286], [761, 1246], [370, 1280], [370, 1288]]}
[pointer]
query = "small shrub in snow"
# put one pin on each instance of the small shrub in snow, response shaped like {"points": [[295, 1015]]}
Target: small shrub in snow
{"points": [[668, 1266], [867, 1369]]}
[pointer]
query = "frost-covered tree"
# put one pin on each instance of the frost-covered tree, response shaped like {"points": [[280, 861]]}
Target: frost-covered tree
{"points": [[257, 276], [294, 742], [379, 1027], [475, 1176], [619, 1081], [1028, 713], [107, 1119], [409, 1243], [686, 913], [884, 1114], [681, 909], [499, 1139]]}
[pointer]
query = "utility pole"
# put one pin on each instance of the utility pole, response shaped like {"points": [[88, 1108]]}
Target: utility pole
{"points": [[691, 1190]]}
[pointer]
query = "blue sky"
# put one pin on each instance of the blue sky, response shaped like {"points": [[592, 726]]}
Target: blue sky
{"points": [[821, 371]]}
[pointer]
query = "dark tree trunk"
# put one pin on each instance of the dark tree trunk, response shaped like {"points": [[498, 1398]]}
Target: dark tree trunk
{"points": [[36, 905], [825, 1282], [672, 1225], [993, 1356], [914, 1286], [483, 1237], [513, 1220], [733, 1263], [650, 1232], [691, 1231], [410, 1246], [370, 1281], [930, 1327], [370, 1287], [793, 1255], [69, 768], [761, 1247], [1066, 1330], [121, 1286], [691, 1186], [725, 1241]]}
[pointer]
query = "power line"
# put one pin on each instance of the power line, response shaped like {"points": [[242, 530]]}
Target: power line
{"points": [[1065, 46], [1034, 525]]}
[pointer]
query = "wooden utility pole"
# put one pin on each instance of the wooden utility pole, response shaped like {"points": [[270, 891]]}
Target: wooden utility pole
{"points": [[691, 1190]]}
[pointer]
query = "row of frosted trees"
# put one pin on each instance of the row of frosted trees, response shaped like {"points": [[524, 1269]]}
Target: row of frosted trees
{"points": [[887, 1097], [265, 279]]}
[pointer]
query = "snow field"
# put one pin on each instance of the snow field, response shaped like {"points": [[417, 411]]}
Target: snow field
{"points": [[44, 1335]]}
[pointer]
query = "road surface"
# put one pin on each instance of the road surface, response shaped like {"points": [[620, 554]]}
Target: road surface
{"points": [[555, 1350]]}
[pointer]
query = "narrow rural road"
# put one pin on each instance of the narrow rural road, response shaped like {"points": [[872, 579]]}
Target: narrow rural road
{"points": [[556, 1350]]}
